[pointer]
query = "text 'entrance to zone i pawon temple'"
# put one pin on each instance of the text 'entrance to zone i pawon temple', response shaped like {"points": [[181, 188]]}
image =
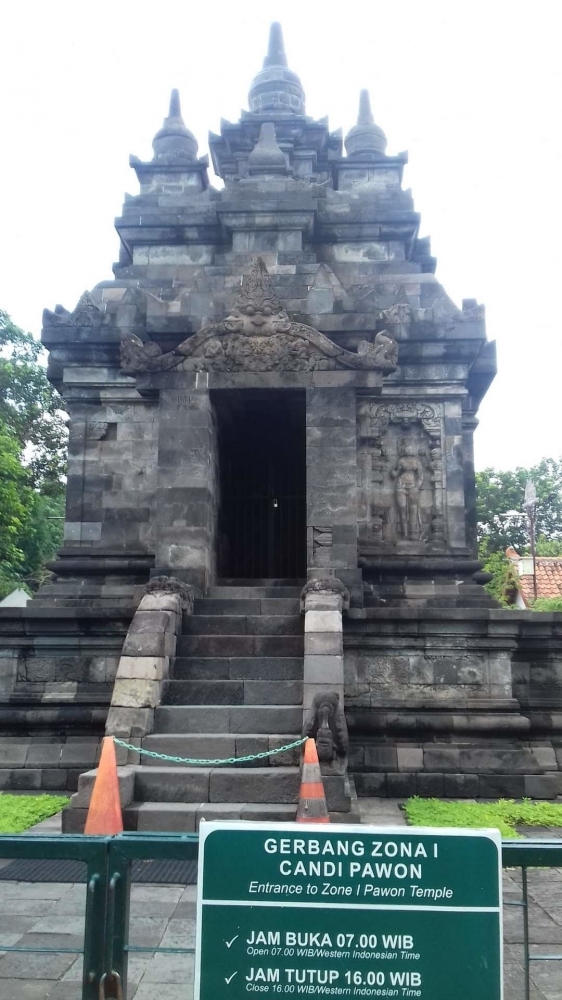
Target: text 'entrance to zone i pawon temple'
{"points": [[262, 469]]}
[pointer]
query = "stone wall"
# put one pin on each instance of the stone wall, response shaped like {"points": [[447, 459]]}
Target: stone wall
{"points": [[184, 511], [331, 478], [460, 703], [111, 489], [57, 669]]}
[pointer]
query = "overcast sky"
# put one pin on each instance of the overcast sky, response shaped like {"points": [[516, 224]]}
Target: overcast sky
{"points": [[472, 91]]}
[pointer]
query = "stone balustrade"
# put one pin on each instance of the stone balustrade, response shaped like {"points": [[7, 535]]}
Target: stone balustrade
{"points": [[145, 662]]}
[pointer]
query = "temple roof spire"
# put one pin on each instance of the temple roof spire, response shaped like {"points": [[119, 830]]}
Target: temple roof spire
{"points": [[366, 139], [174, 141], [175, 106], [276, 50], [276, 88], [365, 116]]}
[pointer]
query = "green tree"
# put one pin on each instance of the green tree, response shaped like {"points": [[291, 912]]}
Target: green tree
{"points": [[547, 604], [31, 408], [546, 546], [32, 461], [499, 493], [13, 496], [504, 583]]}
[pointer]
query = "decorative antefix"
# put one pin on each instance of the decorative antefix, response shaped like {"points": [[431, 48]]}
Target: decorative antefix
{"points": [[258, 336], [326, 724], [86, 313], [171, 585], [326, 585]]}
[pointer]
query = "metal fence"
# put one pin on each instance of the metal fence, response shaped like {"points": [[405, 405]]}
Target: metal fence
{"points": [[108, 892]]}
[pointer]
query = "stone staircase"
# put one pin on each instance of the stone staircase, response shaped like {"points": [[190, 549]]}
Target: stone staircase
{"points": [[235, 689]]}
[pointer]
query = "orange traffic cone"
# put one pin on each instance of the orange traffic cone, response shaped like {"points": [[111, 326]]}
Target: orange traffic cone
{"points": [[104, 815], [312, 800]]}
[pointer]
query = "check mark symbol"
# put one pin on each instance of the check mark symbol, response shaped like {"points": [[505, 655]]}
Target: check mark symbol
{"points": [[230, 978], [230, 943]]}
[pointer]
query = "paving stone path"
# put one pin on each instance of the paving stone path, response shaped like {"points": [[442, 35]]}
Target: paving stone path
{"points": [[48, 915]]}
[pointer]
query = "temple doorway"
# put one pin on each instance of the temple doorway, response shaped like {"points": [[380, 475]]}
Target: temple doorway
{"points": [[262, 471]]}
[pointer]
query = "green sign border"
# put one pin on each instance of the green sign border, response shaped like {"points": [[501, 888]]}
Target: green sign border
{"points": [[347, 832]]}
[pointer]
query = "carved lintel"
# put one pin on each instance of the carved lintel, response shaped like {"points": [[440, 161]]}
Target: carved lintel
{"points": [[258, 336], [327, 726]]}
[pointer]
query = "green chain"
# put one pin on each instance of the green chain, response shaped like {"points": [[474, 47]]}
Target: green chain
{"points": [[216, 760]]}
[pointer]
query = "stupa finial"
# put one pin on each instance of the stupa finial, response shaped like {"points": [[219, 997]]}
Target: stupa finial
{"points": [[276, 49], [365, 116], [276, 88], [175, 106], [365, 141], [174, 141]]}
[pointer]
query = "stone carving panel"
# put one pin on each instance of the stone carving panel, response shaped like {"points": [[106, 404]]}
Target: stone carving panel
{"points": [[97, 429], [86, 314], [258, 336], [326, 724], [400, 477]]}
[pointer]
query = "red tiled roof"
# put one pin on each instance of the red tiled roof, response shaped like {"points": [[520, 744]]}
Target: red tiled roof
{"points": [[549, 579]]}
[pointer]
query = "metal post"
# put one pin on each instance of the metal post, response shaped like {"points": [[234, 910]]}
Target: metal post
{"points": [[530, 505], [117, 934], [95, 923], [527, 964]]}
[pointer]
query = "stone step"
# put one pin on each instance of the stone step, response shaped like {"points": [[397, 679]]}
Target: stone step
{"points": [[240, 645], [228, 719], [247, 606], [231, 692], [241, 591], [217, 784], [266, 668], [209, 746], [184, 817], [243, 625]]}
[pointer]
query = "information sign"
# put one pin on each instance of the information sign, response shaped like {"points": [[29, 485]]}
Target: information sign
{"points": [[351, 911]]}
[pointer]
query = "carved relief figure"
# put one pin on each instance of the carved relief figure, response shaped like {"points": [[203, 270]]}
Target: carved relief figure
{"points": [[259, 336], [408, 476], [400, 482]]}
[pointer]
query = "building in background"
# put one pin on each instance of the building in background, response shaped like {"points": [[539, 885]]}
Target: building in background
{"points": [[548, 571]]}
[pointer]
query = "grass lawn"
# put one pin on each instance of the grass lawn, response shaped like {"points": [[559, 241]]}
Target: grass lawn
{"points": [[505, 814], [19, 812]]}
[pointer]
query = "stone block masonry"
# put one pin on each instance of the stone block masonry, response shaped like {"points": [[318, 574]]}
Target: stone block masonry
{"points": [[448, 703], [57, 668]]}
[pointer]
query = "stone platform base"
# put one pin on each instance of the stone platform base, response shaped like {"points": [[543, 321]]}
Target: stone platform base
{"points": [[45, 764], [459, 786], [483, 769]]}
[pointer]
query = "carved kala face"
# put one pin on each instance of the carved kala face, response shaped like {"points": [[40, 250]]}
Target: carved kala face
{"points": [[260, 318]]}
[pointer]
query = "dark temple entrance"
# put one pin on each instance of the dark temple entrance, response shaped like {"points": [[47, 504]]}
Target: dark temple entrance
{"points": [[262, 462]]}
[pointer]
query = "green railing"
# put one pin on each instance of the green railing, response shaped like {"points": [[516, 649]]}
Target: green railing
{"points": [[108, 859], [525, 854], [94, 851]]}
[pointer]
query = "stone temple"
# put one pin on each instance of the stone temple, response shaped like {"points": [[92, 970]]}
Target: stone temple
{"points": [[270, 521]]}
